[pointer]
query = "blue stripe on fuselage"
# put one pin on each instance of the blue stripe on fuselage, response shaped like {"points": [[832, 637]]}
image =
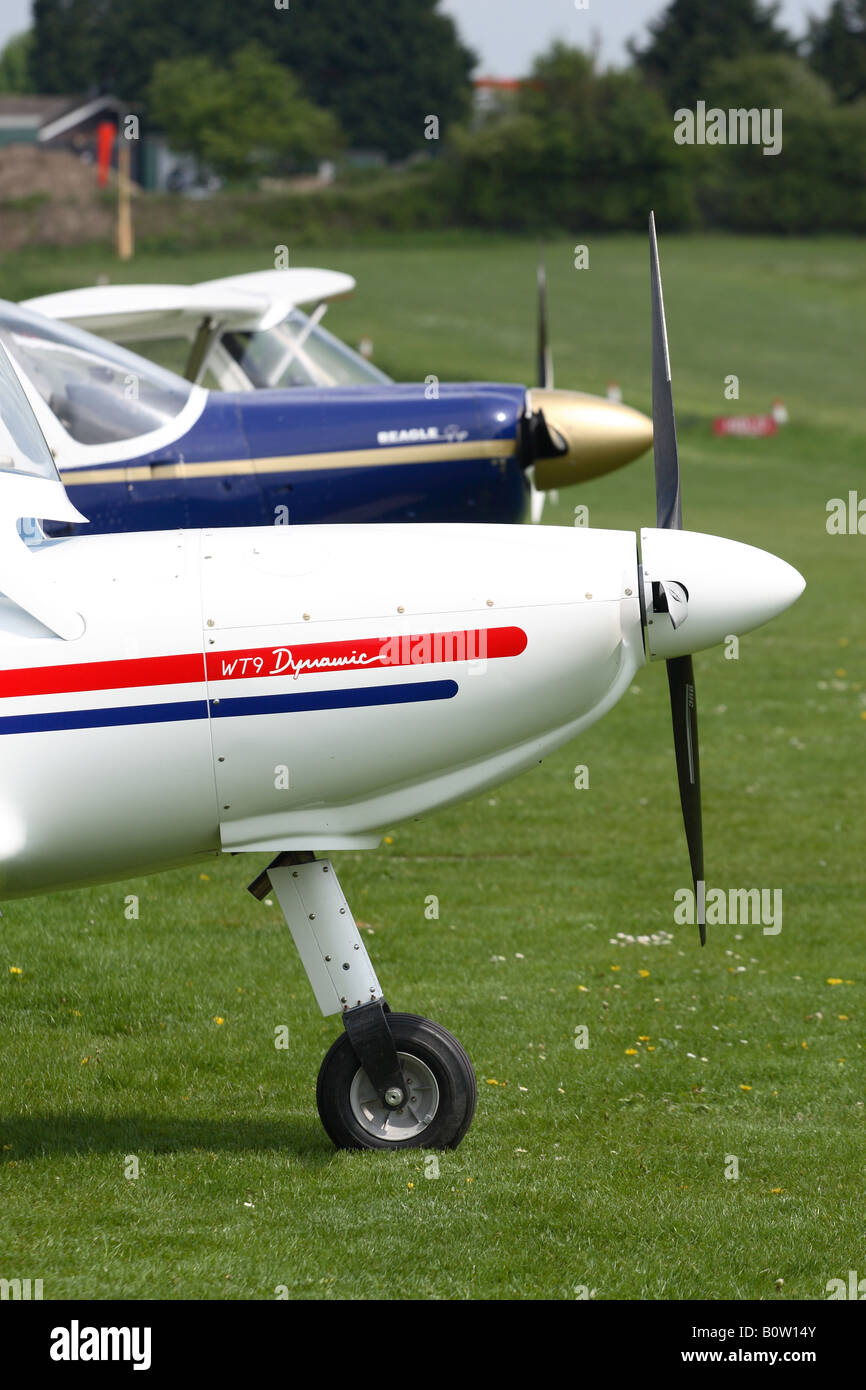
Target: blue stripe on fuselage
{"points": [[413, 693], [361, 697]]}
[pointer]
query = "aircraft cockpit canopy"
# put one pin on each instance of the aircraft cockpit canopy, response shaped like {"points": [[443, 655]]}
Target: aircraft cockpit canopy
{"points": [[298, 352], [100, 392], [22, 444]]}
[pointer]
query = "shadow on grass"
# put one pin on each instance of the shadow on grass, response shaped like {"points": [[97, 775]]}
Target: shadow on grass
{"points": [[75, 1132]]}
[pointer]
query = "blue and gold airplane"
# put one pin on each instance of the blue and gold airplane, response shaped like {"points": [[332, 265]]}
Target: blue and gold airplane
{"points": [[308, 432]]}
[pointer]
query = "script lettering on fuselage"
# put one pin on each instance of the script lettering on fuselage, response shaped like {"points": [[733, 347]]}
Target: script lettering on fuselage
{"points": [[381, 653], [286, 663]]}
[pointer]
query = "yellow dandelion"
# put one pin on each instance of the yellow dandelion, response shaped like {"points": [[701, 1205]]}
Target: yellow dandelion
{"points": [[470, 1179], [651, 1049], [583, 989], [631, 1052], [15, 970], [491, 1081], [644, 974], [745, 1088], [804, 1043], [84, 1060], [218, 1021], [389, 839], [643, 1037], [776, 1190], [842, 1017], [411, 1186], [204, 878], [614, 967], [834, 981]]}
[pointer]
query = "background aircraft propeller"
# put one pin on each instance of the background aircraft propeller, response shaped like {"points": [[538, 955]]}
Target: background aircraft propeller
{"points": [[544, 373], [672, 597], [544, 381], [567, 436]]}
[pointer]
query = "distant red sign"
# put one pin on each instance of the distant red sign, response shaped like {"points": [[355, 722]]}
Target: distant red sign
{"points": [[745, 426]]}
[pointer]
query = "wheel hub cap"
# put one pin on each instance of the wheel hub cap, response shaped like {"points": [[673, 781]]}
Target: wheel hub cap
{"points": [[411, 1118]]}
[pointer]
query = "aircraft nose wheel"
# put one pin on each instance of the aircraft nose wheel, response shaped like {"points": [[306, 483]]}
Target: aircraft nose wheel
{"points": [[442, 1092]]}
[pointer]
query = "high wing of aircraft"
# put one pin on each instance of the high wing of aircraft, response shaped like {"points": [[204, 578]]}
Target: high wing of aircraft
{"points": [[247, 680], [240, 333], [141, 448]]}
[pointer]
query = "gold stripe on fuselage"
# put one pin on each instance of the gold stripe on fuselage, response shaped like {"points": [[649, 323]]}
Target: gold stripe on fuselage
{"points": [[294, 463]]}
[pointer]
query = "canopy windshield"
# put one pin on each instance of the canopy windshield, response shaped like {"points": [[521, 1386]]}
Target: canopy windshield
{"points": [[100, 392], [298, 352], [22, 444]]}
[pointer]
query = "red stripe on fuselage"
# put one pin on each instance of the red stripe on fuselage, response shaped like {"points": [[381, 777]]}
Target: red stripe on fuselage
{"points": [[308, 658], [368, 654], [103, 675]]}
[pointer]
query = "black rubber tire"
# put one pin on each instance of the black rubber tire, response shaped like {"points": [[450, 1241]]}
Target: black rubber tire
{"points": [[431, 1044]]}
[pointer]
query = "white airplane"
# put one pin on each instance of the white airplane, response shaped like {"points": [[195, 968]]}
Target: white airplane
{"points": [[168, 696]]}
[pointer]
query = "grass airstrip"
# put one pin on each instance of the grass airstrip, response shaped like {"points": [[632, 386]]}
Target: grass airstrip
{"points": [[709, 1140]]}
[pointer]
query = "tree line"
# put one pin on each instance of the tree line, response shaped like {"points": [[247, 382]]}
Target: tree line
{"points": [[264, 88]]}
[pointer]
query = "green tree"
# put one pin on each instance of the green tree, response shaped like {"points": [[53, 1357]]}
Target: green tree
{"points": [[381, 67], [67, 42], [773, 80], [15, 64], [836, 48], [818, 180], [581, 149], [245, 119], [692, 35], [622, 157]]}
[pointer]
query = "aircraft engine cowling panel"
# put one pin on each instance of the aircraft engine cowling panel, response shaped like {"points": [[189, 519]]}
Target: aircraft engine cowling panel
{"points": [[386, 680]]}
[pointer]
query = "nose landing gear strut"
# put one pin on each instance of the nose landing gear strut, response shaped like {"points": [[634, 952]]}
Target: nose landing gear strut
{"points": [[390, 1081]]}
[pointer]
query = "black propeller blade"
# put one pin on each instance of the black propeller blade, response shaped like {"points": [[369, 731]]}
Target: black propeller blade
{"points": [[544, 368], [667, 461], [681, 680], [681, 675]]}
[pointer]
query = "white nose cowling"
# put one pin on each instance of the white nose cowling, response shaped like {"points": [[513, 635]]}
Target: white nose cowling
{"points": [[731, 588]]}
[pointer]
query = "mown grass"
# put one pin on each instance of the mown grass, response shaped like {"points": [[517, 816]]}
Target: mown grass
{"points": [[602, 1167]]}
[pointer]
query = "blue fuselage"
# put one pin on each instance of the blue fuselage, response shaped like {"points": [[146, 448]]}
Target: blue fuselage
{"points": [[351, 454]]}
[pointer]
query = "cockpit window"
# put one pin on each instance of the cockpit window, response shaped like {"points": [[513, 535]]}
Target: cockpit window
{"points": [[99, 392], [298, 353], [22, 444]]}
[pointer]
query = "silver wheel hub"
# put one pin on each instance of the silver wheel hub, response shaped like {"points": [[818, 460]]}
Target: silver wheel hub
{"points": [[409, 1119]]}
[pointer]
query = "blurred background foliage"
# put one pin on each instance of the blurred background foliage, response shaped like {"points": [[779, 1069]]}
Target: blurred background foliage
{"points": [[249, 95]]}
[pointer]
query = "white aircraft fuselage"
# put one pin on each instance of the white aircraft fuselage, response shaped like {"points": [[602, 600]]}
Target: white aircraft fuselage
{"points": [[284, 688]]}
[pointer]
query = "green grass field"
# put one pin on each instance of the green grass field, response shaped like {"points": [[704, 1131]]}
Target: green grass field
{"points": [[603, 1168]]}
